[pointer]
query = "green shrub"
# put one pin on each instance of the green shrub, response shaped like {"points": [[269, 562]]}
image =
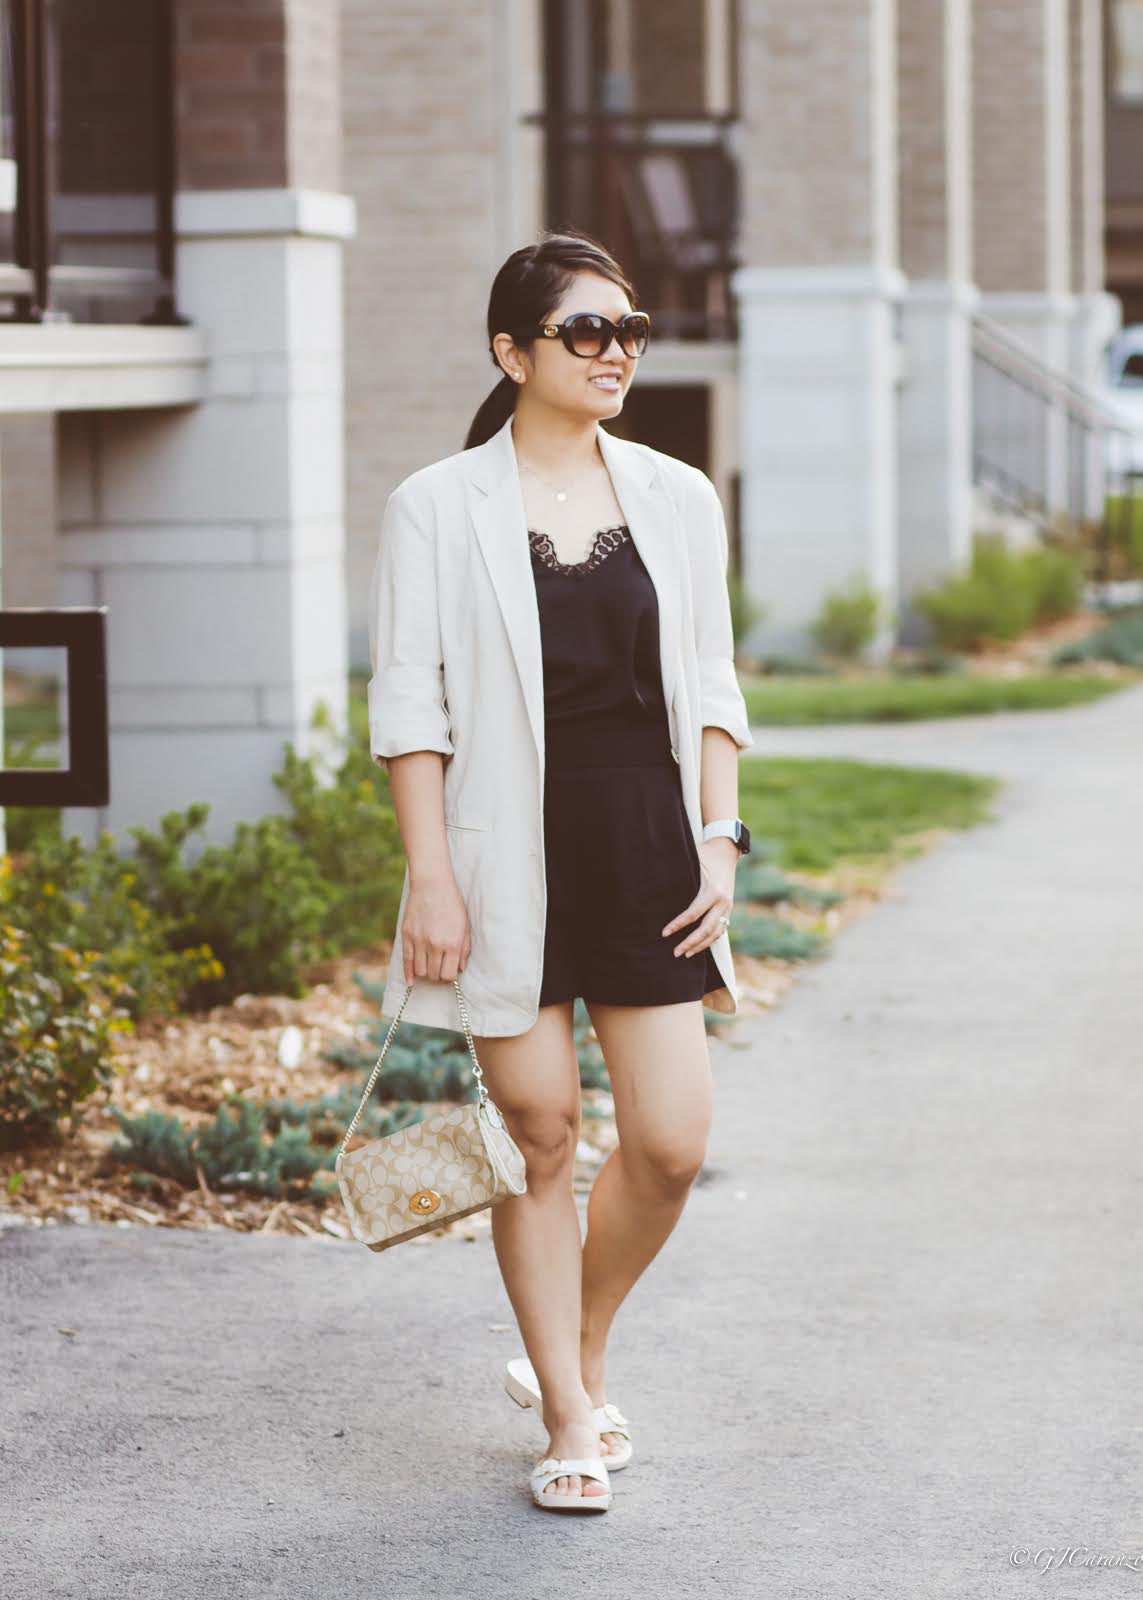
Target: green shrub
{"points": [[1001, 594], [100, 902], [967, 611], [1124, 524], [57, 1021], [348, 830], [847, 621], [243, 917], [781, 665], [1057, 580], [258, 904]]}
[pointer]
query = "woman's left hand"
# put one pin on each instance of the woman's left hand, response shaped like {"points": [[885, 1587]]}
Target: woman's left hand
{"points": [[713, 899]]}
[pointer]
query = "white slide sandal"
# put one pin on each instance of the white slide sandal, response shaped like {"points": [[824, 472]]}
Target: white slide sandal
{"points": [[552, 1467], [521, 1384]]}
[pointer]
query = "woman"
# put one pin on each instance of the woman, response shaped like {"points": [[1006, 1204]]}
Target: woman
{"points": [[554, 698]]}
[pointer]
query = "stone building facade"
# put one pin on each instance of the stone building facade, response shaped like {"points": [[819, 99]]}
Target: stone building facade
{"points": [[213, 372]]}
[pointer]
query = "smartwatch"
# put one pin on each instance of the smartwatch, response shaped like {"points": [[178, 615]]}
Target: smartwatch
{"points": [[734, 829]]}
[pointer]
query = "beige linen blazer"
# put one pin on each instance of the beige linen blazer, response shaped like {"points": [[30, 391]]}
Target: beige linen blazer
{"points": [[457, 667]]}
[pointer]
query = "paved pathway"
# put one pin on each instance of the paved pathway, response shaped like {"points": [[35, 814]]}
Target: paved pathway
{"points": [[895, 1339]]}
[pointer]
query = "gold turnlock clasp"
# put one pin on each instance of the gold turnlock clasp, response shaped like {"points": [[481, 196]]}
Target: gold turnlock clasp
{"points": [[425, 1202]]}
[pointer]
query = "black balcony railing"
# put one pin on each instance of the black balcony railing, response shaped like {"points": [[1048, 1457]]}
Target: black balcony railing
{"points": [[660, 190], [87, 163]]}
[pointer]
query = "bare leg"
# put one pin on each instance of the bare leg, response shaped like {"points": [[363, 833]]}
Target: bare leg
{"points": [[534, 1079], [658, 1061]]}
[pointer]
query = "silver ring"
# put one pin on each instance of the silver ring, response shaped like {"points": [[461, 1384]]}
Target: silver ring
{"points": [[724, 921]]}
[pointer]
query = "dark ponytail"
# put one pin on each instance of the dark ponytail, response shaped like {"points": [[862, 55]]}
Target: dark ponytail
{"points": [[495, 409], [525, 291]]}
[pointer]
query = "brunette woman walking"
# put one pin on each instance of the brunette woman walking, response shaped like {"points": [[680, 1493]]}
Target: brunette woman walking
{"points": [[613, 881]]}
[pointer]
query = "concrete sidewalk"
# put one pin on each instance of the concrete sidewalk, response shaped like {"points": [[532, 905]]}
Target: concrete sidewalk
{"points": [[894, 1342]]}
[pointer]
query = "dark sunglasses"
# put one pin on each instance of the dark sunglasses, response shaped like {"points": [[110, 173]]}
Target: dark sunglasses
{"points": [[588, 334]]}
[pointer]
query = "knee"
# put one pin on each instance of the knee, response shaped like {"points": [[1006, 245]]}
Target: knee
{"points": [[670, 1166], [547, 1137]]}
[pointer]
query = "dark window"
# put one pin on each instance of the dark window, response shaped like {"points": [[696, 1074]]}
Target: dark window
{"points": [[86, 160], [639, 118]]}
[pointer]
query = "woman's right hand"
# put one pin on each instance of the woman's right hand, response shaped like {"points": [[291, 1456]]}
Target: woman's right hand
{"points": [[435, 933]]}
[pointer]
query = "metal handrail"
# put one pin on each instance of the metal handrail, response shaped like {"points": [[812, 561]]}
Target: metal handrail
{"points": [[1013, 457], [1029, 368]]}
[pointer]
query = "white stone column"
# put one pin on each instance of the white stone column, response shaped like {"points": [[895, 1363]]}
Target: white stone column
{"points": [[1098, 315], [935, 421], [818, 362], [934, 445], [215, 533], [819, 356]]}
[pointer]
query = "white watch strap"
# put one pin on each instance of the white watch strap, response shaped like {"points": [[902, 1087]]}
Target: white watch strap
{"points": [[723, 829]]}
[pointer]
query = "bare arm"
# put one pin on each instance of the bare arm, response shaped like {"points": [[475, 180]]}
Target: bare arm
{"points": [[436, 937]]}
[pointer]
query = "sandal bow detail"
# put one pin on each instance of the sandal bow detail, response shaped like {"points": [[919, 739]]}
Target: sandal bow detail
{"points": [[552, 1467], [522, 1385]]}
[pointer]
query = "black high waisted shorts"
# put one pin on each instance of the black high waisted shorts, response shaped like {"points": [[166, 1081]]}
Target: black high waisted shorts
{"points": [[621, 862]]}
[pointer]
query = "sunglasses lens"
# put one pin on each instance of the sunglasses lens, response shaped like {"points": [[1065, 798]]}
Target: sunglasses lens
{"points": [[634, 332], [591, 334], [586, 331]]}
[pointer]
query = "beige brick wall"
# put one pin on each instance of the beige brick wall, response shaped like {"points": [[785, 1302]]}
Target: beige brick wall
{"points": [[934, 110], [28, 511], [1085, 44], [1020, 91], [257, 94], [420, 99], [313, 87], [815, 93]]}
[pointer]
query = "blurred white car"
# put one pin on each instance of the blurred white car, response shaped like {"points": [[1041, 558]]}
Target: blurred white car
{"points": [[1123, 393]]}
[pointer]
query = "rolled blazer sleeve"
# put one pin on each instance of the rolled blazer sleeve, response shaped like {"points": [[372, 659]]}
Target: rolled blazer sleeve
{"points": [[407, 709], [722, 703]]}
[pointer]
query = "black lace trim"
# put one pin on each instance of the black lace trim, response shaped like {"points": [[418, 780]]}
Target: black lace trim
{"points": [[604, 541]]}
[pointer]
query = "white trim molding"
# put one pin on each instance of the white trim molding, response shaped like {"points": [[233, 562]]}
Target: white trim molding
{"points": [[236, 213], [60, 366]]}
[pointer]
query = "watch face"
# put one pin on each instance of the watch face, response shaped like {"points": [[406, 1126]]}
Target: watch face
{"points": [[743, 837]]}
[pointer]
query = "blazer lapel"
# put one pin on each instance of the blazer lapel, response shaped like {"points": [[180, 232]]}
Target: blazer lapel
{"points": [[496, 505]]}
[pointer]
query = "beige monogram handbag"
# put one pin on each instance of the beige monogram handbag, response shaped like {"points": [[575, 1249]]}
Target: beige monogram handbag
{"points": [[453, 1162]]}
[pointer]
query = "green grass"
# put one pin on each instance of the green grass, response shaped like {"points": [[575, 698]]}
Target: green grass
{"points": [[791, 700], [820, 812]]}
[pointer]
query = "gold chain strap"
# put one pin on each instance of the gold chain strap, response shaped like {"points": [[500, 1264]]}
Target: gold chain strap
{"points": [[476, 1069]]}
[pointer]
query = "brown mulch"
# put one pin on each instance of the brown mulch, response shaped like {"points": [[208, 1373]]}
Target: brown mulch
{"points": [[188, 1065]]}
